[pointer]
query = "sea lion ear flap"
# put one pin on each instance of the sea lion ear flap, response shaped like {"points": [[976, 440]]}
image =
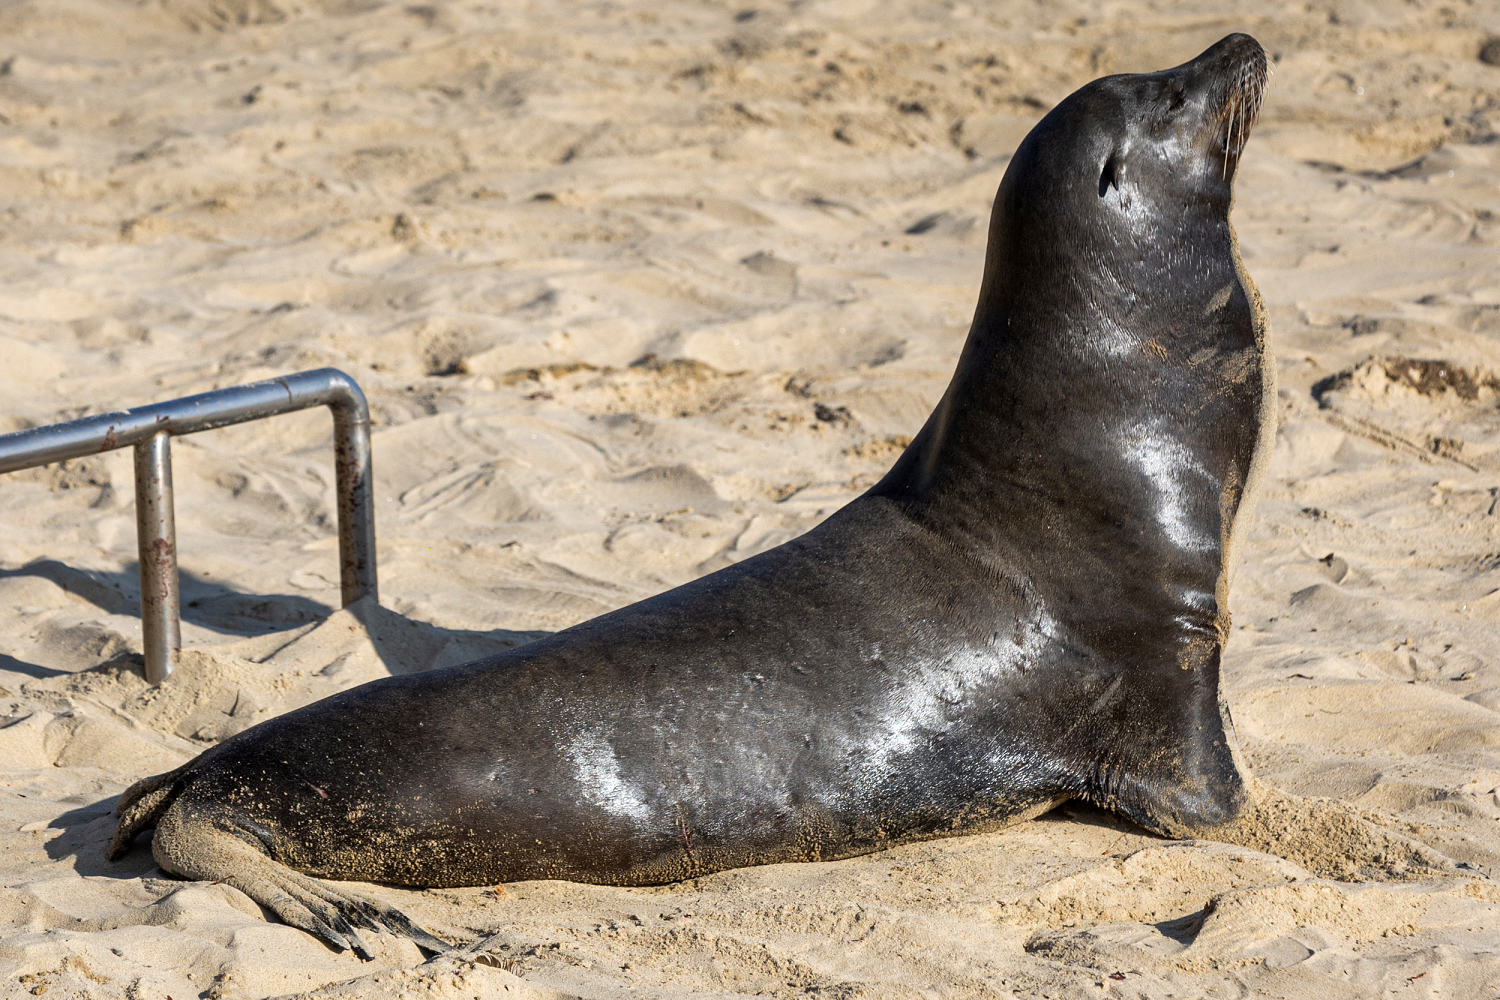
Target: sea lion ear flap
{"points": [[1112, 175], [1107, 176]]}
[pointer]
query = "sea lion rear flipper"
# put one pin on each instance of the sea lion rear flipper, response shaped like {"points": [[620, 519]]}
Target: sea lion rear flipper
{"points": [[200, 846]]}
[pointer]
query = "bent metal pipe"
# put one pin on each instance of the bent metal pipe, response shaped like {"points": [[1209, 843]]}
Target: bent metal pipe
{"points": [[149, 429]]}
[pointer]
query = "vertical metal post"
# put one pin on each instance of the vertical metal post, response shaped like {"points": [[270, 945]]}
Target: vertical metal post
{"points": [[353, 485], [156, 540], [148, 428]]}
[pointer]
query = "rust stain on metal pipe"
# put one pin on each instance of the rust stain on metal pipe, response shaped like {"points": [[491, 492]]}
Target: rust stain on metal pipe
{"points": [[164, 554]]}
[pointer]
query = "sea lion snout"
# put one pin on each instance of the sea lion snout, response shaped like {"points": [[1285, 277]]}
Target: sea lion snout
{"points": [[1230, 77], [1227, 51], [1240, 63]]}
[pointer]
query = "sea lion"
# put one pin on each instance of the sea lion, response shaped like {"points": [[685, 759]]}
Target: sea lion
{"points": [[1029, 607]]}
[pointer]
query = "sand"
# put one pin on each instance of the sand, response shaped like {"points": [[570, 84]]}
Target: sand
{"points": [[638, 290]]}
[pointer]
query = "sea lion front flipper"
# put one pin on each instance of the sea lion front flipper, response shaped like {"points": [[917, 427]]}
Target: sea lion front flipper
{"points": [[1167, 758], [217, 850]]}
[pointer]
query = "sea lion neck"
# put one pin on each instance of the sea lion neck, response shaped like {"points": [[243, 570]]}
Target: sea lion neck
{"points": [[1067, 345], [1116, 345]]}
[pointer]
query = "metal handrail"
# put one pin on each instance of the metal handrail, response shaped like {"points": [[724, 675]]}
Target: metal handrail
{"points": [[149, 430]]}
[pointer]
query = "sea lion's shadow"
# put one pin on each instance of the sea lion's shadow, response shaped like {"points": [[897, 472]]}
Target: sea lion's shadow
{"points": [[82, 834]]}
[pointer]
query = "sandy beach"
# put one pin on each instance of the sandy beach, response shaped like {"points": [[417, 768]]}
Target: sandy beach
{"points": [[638, 290]]}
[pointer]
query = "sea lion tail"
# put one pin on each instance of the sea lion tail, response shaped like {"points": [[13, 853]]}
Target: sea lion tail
{"points": [[139, 807]]}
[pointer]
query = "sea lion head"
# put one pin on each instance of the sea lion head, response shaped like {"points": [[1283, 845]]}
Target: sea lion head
{"points": [[1167, 138], [1180, 132], [1130, 168]]}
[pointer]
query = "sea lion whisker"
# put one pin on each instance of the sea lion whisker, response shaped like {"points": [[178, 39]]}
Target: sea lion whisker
{"points": [[1228, 139]]}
